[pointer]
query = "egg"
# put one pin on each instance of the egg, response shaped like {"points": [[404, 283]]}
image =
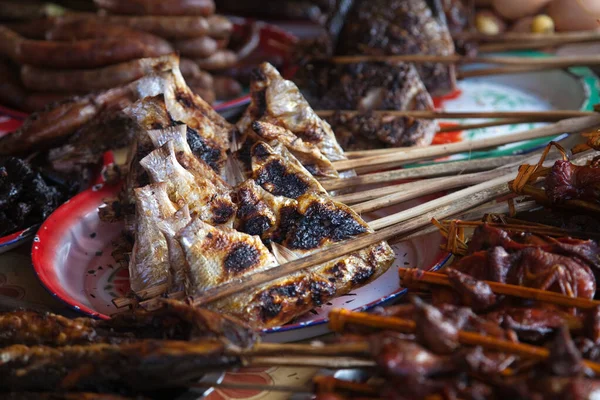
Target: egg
{"points": [[570, 15], [489, 23], [515, 9]]}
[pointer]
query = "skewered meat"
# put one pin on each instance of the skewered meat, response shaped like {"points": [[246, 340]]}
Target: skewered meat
{"points": [[144, 365], [565, 359], [26, 198], [279, 102], [474, 293], [396, 27], [433, 330], [530, 323], [177, 321], [568, 181], [366, 87]]}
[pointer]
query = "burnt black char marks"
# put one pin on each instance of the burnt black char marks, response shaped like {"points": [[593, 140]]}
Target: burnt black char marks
{"points": [[275, 178], [240, 258], [207, 152], [322, 222]]}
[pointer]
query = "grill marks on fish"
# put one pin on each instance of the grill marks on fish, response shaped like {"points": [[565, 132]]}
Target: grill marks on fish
{"points": [[278, 102], [280, 173]]}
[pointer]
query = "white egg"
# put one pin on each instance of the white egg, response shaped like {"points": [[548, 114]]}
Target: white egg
{"points": [[570, 15], [515, 9]]}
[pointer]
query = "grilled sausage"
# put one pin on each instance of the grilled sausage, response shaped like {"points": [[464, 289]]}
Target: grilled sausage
{"points": [[158, 7], [215, 26], [70, 30], [219, 60], [90, 53], [87, 80], [199, 47], [226, 88]]}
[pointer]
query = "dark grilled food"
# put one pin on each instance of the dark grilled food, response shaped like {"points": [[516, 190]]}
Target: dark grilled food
{"points": [[366, 87], [396, 27], [27, 197]]}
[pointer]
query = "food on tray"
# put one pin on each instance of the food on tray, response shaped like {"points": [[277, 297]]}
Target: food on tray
{"points": [[28, 194], [75, 53], [366, 87], [191, 229]]}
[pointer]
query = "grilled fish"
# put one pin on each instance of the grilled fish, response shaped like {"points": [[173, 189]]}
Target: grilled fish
{"points": [[185, 187], [307, 153], [169, 227], [216, 255], [263, 214], [188, 108], [149, 263], [279, 102], [280, 173]]}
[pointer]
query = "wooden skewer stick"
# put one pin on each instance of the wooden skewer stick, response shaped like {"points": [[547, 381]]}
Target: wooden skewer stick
{"points": [[472, 73], [422, 188], [519, 37], [556, 62], [538, 229], [439, 169], [551, 115], [522, 292], [440, 208], [254, 387], [329, 349], [338, 319], [366, 195], [403, 156], [497, 122], [313, 361]]}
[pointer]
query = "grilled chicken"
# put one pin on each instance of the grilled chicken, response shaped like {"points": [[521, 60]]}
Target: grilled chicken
{"points": [[279, 102]]}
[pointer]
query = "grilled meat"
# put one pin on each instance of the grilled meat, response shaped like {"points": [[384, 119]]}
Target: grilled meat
{"points": [[396, 27], [27, 197], [140, 366], [177, 321], [279, 102], [568, 181], [366, 87]]}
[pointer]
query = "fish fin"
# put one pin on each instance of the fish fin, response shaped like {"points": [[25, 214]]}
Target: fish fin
{"points": [[283, 254]]}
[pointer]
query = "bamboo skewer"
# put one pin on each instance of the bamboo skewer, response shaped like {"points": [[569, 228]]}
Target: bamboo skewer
{"points": [[488, 124], [555, 62], [421, 188], [523, 292], [538, 229], [518, 37], [338, 319], [364, 196], [472, 73], [314, 361], [336, 349], [403, 156], [552, 115], [440, 208], [439, 169]]}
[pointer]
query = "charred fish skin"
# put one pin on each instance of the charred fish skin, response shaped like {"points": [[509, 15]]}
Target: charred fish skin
{"points": [[149, 263], [307, 153], [188, 108], [216, 255], [279, 102], [279, 172], [199, 193]]}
